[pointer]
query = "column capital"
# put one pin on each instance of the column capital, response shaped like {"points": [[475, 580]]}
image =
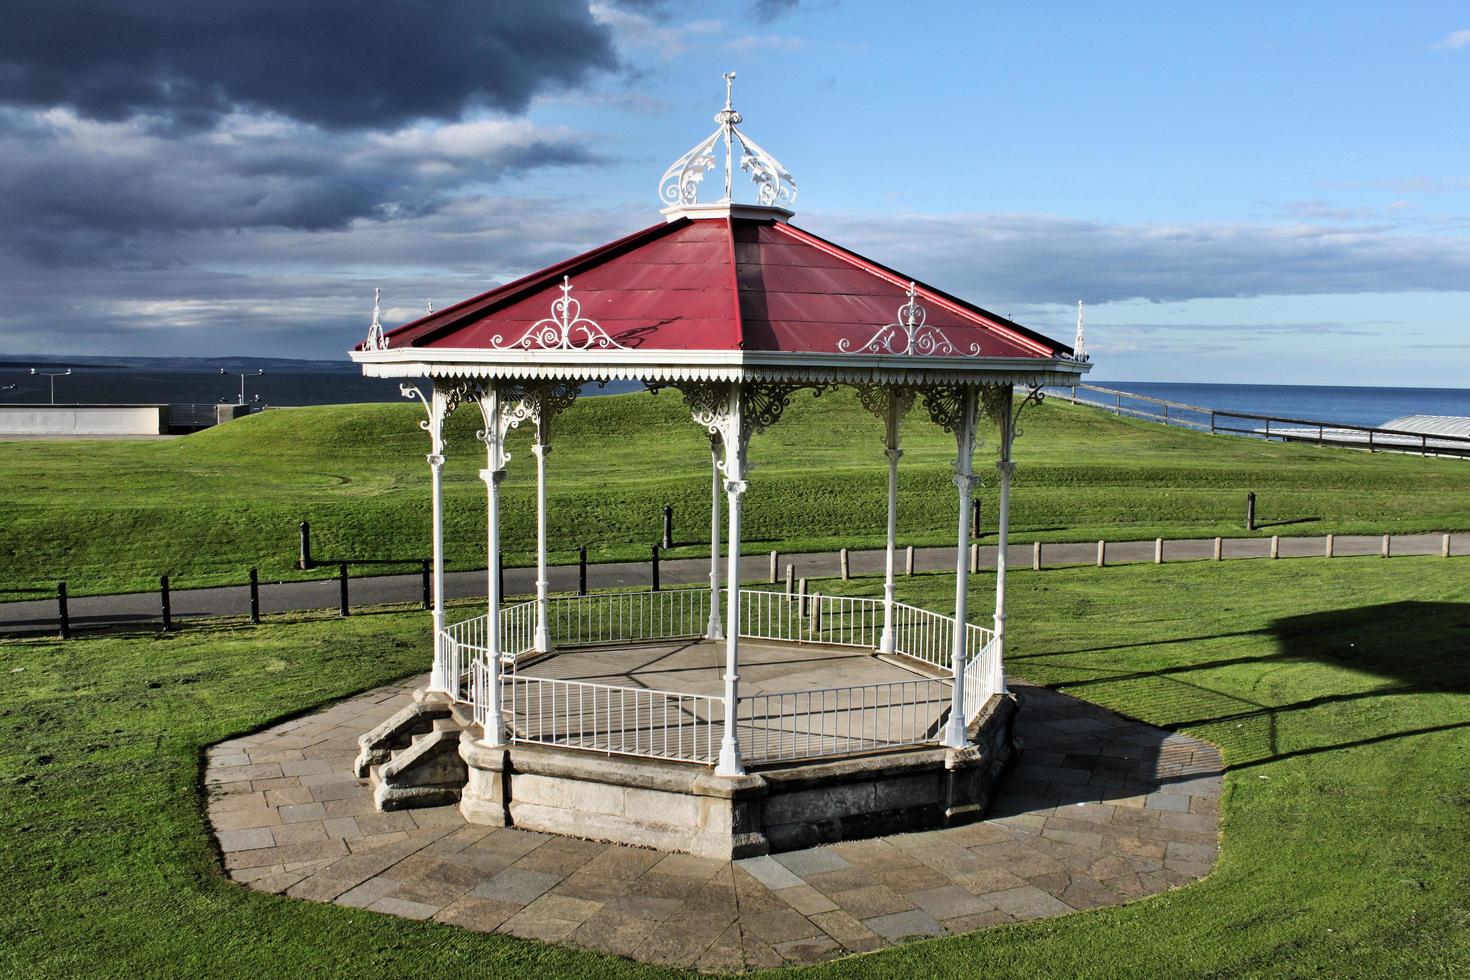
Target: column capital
{"points": [[436, 460], [965, 482], [735, 488], [541, 449], [1005, 467], [496, 475], [893, 453]]}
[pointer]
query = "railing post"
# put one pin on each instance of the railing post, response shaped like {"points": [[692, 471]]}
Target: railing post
{"points": [[255, 595], [425, 599], [1036, 556], [63, 616], [582, 570], [168, 618], [1212, 422], [654, 567], [342, 609]]}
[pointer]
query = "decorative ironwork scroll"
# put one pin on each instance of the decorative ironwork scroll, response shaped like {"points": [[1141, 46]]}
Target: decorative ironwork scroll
{"points": [[376, 339], [774, 183], [565, 329], [910, 333]]}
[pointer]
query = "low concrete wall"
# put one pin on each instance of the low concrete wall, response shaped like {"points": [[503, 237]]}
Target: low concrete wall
{"points": [[83, 420], [678, 807]]}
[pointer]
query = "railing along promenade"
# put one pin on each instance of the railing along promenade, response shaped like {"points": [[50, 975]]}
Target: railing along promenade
{"points": [[1214, 420], [684, 726]]}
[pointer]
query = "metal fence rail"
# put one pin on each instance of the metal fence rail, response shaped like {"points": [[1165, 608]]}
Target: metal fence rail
{"points": [[1342, 434], [620, 617]]}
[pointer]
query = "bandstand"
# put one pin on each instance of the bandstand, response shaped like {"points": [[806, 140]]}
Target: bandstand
{"points": [[722, 721]]}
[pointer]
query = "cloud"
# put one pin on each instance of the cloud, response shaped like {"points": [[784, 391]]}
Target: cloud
{"points": [[78, 192], [748, 43], [1455, 40], [768, 10], [633, 28], [1004, 259], [330, 63]]}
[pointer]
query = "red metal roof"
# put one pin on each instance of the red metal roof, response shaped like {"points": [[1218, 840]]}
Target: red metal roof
{"points": [[723, 284]]}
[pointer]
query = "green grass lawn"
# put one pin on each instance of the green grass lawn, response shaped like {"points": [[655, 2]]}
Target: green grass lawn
{"points": [[113, 516], [1337, 691]]}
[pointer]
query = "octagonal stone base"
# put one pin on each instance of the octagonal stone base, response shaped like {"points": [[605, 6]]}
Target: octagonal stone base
{"points": [[676, 806]]}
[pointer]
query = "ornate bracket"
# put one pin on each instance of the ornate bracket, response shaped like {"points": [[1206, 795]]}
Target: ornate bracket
{"points": [[1033, 397], [713, 404], [376, 339], [502, 408], [446, 397], [565, 329], [680, 183], [890, 403], [909, 334], [544, 402]]}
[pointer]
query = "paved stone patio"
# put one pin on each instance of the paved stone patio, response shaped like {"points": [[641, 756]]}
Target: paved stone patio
{"points": [[1098, 811]]}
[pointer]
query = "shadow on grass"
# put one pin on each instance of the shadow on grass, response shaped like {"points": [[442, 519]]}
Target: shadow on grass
{"points": [[1414, 647]]}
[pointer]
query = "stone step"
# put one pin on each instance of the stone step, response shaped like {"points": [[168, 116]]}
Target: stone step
{"points": [[428, 772], [397, 732]]}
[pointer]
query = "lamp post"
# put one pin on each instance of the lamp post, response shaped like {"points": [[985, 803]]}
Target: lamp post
{"points": [[53, 375], [243, 376]]}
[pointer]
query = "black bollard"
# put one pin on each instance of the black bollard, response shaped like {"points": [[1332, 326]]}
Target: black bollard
{"points": [[975, 518], [305, 560], [168, 618], [668, 526], [254, 595], [655, 568], [62, 615], [342, 589], [582, 571], [424, 572], [1250, 511]]}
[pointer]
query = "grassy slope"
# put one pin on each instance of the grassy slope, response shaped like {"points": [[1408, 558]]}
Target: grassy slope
{"points": [[110, 516], [1337, 691]]}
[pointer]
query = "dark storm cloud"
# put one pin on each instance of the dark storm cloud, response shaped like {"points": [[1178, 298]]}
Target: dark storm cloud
{"points": [[331, 63], [80, 192]]}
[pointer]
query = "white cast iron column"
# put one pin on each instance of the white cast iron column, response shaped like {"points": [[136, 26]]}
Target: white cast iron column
{"points": [[714, 631], [1005, 467], [955, 735], [439, 679], [493, 474], [734, 439], [886, 641], [541, 447]]}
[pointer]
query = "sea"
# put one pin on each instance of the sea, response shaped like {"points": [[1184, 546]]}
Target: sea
{"points": [[289, 382]]}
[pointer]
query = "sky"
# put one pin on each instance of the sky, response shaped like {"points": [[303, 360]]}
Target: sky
{"points": [[1240, 193]]}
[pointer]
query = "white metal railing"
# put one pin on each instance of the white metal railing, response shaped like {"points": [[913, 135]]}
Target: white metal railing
{"points": [[620, 617], [841, 720], [607, 718], [770, 726]]}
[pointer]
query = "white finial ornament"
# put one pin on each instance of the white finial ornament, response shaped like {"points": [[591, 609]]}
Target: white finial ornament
{"points": [[774, 184], [376, 340], [1079, 346], [428, 307]]}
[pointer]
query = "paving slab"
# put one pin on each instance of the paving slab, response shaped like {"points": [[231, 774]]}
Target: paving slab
{"points": [[1102, 810]]}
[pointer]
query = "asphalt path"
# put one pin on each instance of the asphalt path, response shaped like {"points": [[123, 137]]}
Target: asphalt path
{"points": [[139, 608]]}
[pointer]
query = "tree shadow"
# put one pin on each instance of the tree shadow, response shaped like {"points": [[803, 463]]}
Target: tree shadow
{"points": [[1077, 752]]}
